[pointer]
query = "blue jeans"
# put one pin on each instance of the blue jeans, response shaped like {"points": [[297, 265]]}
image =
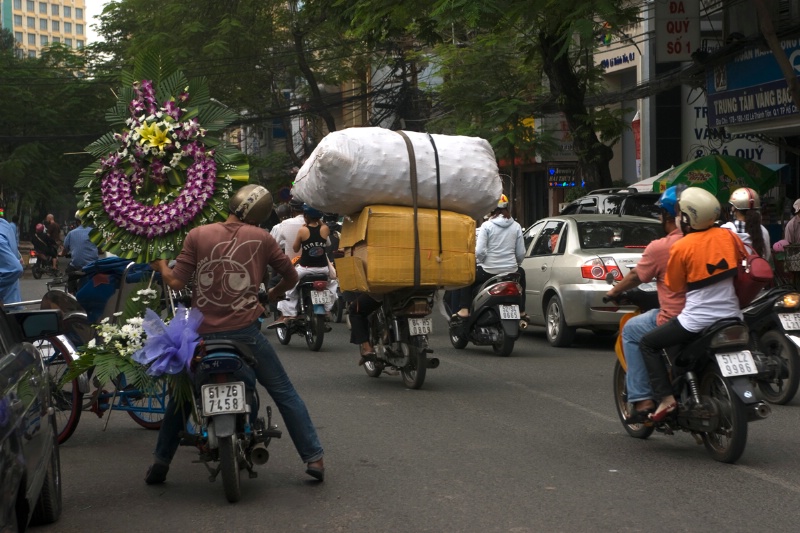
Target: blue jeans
{"points": [[637, 380], [270, 373]]}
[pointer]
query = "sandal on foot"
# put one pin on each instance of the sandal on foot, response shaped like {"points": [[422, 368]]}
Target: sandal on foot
{"points": [[317, 472], [368, 357], [639, 417], [659, 416]]}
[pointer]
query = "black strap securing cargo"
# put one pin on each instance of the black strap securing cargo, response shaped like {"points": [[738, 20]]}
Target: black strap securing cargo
{"points": [[438, 192], [412, 161]]}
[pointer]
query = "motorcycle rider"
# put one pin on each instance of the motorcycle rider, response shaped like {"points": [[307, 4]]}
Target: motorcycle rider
{"points": [[499, 248], [745, 209], [45, 246], [310, 242], [286, 231], [703, 263], [229, 260], [652, 265]]}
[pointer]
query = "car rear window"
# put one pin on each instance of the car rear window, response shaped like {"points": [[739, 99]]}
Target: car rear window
{"points": [[641, 206], [617, 234]]}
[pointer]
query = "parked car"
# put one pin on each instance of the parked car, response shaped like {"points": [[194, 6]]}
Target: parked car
{"points": [[616, 201], [30, 483], [566, 263]]}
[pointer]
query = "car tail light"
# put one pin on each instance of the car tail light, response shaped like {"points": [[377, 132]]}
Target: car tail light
{"points": [[600, 267], [320, 285], [506, 288]]}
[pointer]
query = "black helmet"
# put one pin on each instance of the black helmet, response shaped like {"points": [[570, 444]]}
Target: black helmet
{"points": [[251, 204], [283, 211]]}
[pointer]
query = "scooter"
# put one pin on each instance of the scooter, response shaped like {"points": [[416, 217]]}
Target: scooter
{"points": [[712, 381], [40, 265], [494, 318], [310, 315], [230, 437], [774, 322]]}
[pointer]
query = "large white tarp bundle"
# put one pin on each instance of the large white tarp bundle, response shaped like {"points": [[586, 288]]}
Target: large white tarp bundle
{"points": [[356, 167]]}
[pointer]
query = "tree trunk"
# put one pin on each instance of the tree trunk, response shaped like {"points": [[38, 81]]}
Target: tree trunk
{"points": [[593, 156], [317, 104]]}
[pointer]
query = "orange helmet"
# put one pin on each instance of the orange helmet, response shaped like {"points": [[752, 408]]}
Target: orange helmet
{"points": [[503, 202]]}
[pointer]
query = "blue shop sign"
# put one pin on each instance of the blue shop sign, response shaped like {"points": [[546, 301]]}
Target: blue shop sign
{"points": [[751, 87]]}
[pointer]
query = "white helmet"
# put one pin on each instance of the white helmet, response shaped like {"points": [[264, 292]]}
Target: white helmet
{"points": [[745, 198], [699, 208], [251, 204]]}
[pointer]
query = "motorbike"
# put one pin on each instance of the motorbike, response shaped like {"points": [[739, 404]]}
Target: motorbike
{"points": [[230, 437], [40, 265], [310, 316], [494, 318], [774, 322], [712, 381], [399, 331]]}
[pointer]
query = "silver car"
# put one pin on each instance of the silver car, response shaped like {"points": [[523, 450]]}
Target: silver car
{"points": [[567, 261]]}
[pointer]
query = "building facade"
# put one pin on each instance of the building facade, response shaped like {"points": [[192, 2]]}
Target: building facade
{"points": [[37, 24]]}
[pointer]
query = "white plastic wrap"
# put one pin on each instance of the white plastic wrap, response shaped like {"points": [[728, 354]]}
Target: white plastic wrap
{"points": [[356, 167]]}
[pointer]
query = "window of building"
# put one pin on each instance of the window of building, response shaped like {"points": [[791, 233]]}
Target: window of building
{"points": [[54, 9], [68, 42], [67, 11], [79, 29], [43, 40], [32, 22], [32, 39], [18, 4], [79, 13], [56, 25], [17, 20], [30, 5], [43, 24], [43, 8], [56, 39], [67, 27], [18, 36], [32, 54], [80, 43]]}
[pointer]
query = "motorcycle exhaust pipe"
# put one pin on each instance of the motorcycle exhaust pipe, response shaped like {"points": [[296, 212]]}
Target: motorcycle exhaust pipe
{"points": [[259, 454], [759, 411], [523, 324], [433, 362]]}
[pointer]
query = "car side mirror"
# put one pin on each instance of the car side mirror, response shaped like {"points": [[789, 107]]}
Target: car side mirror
{"points": [[38, 324]]}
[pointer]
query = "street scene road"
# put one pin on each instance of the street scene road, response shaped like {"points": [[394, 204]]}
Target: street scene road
{"points": [[520, 444]]}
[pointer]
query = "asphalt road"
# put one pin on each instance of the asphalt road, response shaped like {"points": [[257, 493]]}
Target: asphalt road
{"points": [[529, 443]]}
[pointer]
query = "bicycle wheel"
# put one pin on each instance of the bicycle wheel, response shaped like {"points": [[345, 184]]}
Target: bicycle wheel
{"points": [[147, 410], [57, 354]]}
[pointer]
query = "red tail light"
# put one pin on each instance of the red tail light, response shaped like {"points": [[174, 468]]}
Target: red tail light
{"points": [[320, 285], [33, 254], [600, 267], [506, 288]]}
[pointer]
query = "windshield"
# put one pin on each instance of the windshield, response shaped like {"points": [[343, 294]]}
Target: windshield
{"points": [[617, 234]]}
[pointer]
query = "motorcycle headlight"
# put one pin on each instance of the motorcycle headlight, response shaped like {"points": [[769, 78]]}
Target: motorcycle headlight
{"points": [[790, 300]]}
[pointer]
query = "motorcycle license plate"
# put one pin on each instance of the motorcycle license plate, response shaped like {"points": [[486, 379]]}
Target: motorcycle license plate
{"points": [[223, 398], [321, 297], [736, 363], [509, 312], [32, 261], [790, 321], [420, 326]]}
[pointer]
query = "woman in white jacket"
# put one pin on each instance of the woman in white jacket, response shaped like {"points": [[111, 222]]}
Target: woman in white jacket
{"points": [[746, 223], [500, 248]]}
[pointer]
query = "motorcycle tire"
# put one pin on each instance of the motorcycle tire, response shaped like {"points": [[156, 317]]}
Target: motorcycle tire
{"points": [[458, 337], [36, 272], [337, 312], [727, 443], [414, 371], [284, 335], [505, 345], [559, 334], [637, 431], [315, 331], [229, 468], [780, 391]]}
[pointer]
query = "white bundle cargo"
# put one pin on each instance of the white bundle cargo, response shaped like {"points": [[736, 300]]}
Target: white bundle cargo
{"points": [[356, 167]]}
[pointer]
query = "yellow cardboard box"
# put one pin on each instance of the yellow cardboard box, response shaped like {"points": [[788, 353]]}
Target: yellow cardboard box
{"points": [[380, 249]]}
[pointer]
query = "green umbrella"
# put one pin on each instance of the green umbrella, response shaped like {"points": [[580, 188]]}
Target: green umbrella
{"points": [[720, 175]]}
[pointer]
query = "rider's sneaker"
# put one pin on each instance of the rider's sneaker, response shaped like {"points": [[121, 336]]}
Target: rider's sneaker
{"points": [[156, 474]]}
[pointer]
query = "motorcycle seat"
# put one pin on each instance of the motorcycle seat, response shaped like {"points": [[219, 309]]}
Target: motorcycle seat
{"points": [[309, 278], [220, 345]]}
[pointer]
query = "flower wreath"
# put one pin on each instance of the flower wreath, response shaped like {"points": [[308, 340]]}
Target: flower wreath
{"points": [[163, 173]]}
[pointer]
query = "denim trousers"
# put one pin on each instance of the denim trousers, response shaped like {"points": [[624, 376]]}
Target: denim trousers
{"points": [[637, 380], [270, 373]]}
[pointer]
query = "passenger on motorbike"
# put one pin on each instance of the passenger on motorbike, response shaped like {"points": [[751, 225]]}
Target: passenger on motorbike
{"points": [[229, 260], [499, 248], [745, 210], [652, 266], [286, 231], [45, 246], [703, 263], [310, 242], [358, 313]]}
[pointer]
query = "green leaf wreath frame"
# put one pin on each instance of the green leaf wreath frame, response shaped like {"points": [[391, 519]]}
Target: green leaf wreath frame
{"points": [[162, 171]]}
